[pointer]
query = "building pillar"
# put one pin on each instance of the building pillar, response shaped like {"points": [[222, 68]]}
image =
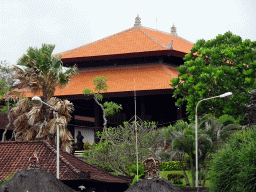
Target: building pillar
{"points": [[179, 113]]}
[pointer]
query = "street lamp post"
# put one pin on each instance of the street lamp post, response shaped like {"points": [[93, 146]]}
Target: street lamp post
{"points": [[38, 100], [219, 96]]}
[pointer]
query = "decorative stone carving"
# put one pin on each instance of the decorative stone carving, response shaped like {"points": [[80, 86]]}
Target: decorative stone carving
{"points": [[151, 168], [33, 162], [79, 138]]}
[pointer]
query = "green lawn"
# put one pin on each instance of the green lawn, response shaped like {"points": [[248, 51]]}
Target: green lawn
{"points": [[164, 174]]}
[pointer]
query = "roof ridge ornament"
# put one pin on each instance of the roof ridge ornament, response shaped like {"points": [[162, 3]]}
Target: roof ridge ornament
{"points": [[173, 30], [33, 162], [137, 22], [169, 46]]}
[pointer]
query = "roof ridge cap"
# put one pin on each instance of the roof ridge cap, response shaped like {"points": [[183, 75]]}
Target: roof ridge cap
{"points": [[49, 146], [163, 67], [170, 66], [167, 33], [153, 38], [97, 41], [96, 167]]}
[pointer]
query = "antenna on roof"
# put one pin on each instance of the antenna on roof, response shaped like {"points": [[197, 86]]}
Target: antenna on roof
{"points": [[156, 23]]}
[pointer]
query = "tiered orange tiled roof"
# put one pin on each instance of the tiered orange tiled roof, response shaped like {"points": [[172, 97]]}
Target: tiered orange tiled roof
{"points": [[133, 40], [121, 79], [137, 39]]}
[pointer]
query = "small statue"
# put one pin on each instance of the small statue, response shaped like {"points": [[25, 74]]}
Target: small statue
{"points": [[79, 138], [151, 167], [33, 162]]}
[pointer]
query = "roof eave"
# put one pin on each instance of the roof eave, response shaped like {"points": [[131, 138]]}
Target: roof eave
{"points": [[126, 55]]}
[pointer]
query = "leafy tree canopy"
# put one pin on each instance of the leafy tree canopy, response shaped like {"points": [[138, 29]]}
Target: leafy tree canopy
{"points": [[224, 64]]}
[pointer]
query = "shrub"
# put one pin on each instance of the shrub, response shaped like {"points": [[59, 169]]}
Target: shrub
{"points": [[86, 145], [175, 178], [233, 167], [133, 169], [170, 166]]}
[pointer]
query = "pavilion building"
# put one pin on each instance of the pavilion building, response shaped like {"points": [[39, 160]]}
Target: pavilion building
{"points": [[139, 58]]}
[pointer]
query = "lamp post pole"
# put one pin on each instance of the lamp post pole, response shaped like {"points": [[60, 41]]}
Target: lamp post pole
{"points": [[55, 112], [219, 96]]}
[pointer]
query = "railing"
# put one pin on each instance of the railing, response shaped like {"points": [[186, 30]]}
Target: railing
{"points": [[79, 153]]}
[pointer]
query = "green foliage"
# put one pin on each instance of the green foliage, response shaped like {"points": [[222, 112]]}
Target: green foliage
{"points": [[224, 64], [176, 178], [133, 168], [233, 167], [139, 178], [10, 176], [118, 148], [86, 145], [111, 108], [212, 134], [87, 91], [100, 83], [172, 166]]}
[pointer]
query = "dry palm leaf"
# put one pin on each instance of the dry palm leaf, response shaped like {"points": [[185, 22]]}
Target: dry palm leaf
{"points": [[15, 95], [33, 114]]}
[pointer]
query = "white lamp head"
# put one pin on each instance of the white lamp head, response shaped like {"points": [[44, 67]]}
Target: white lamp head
{"points": [[226, 94], [36, 100]]}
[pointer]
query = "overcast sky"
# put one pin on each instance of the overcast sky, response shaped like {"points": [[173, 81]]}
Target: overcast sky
{"points": [[72, 23]]}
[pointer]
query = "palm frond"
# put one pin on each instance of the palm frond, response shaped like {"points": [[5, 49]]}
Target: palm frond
{"points": [[33, 114], [14, 95]]}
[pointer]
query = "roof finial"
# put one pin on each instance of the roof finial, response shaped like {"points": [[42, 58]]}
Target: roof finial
{"points": [[169, 46], [33, 162], [173, 30], [137, 22]]}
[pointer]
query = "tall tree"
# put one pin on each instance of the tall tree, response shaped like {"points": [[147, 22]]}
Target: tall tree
{"points": [[108, 108], [223, 64], [40, 73]]}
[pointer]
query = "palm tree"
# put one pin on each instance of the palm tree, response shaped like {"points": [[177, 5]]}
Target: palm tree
{"points": [[40, 73], [212, 133]]}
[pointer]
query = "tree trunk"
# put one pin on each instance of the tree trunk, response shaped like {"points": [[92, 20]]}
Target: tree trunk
{"points": [[105, 120], [184, 172]]}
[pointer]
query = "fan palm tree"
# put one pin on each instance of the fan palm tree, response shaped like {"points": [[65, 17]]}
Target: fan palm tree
{"points": [[40, 73], [212, 133]]}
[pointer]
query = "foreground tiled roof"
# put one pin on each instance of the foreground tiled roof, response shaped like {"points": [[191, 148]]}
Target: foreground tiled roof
{"points": [[141, 39], [14, 156], [121, 79]]}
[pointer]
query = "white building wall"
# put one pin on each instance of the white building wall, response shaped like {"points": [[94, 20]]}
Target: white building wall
{"points": [[88, 134]]}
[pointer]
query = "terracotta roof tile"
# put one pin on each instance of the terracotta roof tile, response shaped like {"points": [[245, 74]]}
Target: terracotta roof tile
{"points": [[14, 156], [121, 79], [132, 40]]}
